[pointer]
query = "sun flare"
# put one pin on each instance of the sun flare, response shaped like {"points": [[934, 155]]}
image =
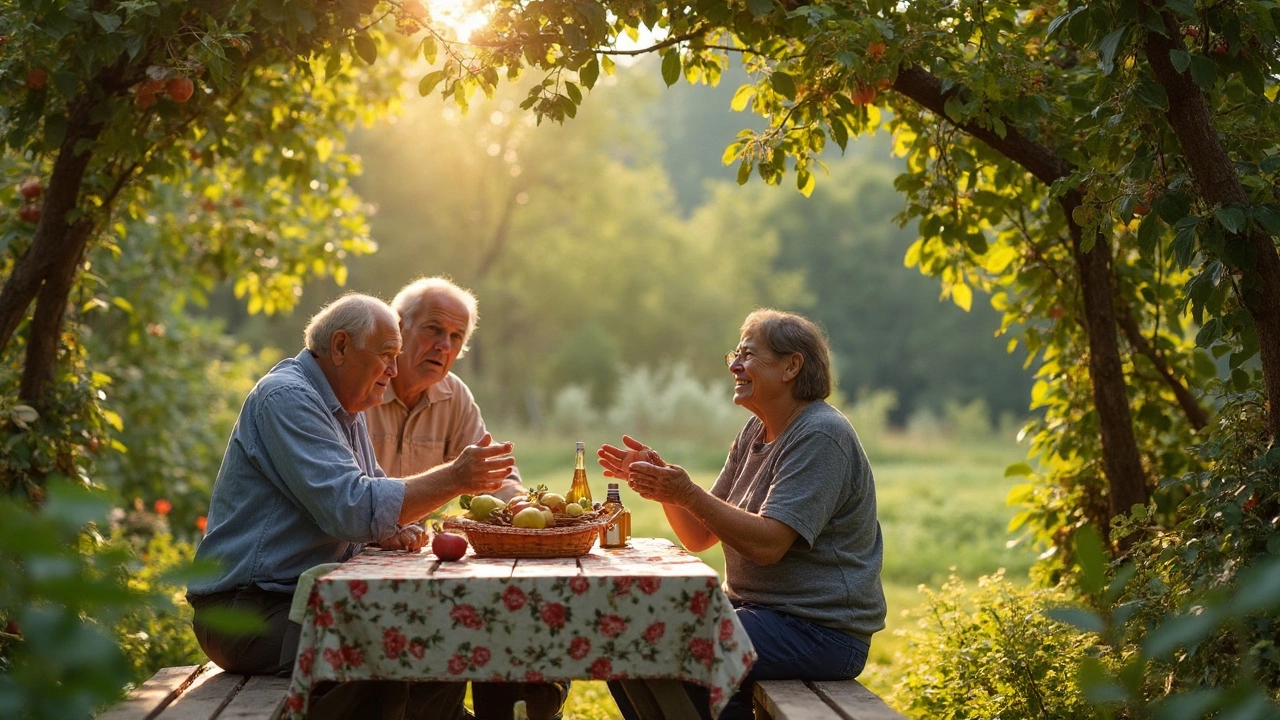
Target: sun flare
{"points": [[461, 17]]}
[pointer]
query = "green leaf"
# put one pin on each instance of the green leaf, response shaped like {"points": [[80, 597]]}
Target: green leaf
{"points": [[1108, 48], [671, 67], [1178, 632], [109, 22], [589, 73], [742, 96], [573, 92], [1252, 77], [760, 8], [429, 49], [1019, 470], [1232, 218], [744, 171], [1092, 556], [783, 84], [1203, 71], [839, 133], [1258, 589], [1078, 618], [429, 82], [1187, 8], [1180, 59], [1209, 333], [805, 182], [366, 48]]}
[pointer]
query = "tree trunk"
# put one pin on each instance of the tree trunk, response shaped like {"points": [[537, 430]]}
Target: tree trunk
{"points": [[54, 240], [1127, 485], [1126, 478], [1219, 183], [44, 335]]}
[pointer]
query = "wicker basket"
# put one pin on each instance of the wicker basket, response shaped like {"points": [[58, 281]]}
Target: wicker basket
{"points": [[501, 541]]}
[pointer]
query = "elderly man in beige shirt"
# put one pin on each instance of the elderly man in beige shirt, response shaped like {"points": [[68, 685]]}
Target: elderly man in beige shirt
{"points": [[427, 417]]}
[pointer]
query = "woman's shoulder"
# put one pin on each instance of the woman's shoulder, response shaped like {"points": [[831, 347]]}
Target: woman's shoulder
{"points": [[821, 416]]}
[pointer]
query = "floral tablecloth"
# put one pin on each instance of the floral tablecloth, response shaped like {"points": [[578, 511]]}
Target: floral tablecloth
{"points": [[648, 611]]}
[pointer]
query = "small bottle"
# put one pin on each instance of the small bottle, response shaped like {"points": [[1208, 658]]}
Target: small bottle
{"points": [[580, 489], [617, 530]]}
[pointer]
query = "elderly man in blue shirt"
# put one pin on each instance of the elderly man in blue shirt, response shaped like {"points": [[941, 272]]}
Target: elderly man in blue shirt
{"points": [[299, 486]]}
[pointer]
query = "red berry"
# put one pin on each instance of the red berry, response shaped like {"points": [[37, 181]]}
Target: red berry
{"points": [[36, 79], [29, 213]]}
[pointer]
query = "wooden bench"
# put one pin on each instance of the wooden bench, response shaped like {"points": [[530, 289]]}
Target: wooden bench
{"points": [[202, 692], [819, 700]]}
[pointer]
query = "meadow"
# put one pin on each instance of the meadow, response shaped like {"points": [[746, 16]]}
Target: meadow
{"points": [[941, 501]]}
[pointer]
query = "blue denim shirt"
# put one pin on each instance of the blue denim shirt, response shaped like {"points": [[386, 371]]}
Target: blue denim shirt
{"points": [[299, 485]]}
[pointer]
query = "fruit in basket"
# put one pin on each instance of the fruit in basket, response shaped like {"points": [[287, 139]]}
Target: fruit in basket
{"points": [[482, 506], [573, 510], [555, 502], [550, 516], [530, 517], [448, 546]]}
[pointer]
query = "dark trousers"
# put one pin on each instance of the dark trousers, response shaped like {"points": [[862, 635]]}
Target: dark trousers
{"points": [[787, 648], [543, 701], [272, 650]]}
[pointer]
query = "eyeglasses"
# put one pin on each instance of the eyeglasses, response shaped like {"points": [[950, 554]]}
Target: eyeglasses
{"points": [[732, 355]]}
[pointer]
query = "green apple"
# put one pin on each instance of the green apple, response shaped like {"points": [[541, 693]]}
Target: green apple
{"points": [[530, 517], [482, 506]]}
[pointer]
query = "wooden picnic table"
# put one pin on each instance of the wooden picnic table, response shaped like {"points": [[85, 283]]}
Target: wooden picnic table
{"points": [[651, 615]]}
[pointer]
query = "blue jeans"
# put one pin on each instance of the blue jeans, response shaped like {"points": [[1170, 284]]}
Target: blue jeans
{"points": [[787, 648]]}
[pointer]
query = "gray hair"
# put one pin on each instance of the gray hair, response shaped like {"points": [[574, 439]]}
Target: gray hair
{"points": [[409, 301], [356, 313], [788, 333]]}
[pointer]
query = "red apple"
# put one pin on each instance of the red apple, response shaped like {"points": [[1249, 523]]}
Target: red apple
{"points": [[36, 79], [29, 213], [448, 546], [180, 89], [30, 189]]}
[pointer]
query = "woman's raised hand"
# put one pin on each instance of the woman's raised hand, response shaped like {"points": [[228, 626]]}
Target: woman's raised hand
{"points": [[617, 461]]}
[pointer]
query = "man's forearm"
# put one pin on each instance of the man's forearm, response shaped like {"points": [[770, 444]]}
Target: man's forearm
{"points": [[427, 492]]}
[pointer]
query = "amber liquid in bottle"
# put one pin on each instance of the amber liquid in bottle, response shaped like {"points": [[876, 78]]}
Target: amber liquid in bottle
{"points": [[617, 531], [580, 489]]}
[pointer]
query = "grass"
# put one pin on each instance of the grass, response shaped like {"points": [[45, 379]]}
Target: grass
{"points": [[942, 510]]}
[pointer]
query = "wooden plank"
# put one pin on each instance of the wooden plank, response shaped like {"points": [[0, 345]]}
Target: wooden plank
{"points": [[854, 700], [659, 699], [792, 700], [261, 698], [154, 694], [206, 697]]}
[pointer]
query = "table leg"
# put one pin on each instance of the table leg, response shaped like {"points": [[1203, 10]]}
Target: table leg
{"points": [[660, 699]]}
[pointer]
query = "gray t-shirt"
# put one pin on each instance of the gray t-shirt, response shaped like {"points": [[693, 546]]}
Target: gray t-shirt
{"points": [[816, 479]]}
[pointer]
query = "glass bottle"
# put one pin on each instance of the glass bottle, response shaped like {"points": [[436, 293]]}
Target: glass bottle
{"points": [[616, 532], [580, 489]]}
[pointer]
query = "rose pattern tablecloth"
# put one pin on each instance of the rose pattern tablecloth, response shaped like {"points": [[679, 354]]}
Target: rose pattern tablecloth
{"points": [[650, 611]]}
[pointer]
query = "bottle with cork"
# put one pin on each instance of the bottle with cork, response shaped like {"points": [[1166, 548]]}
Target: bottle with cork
{"points": [[579, 489], [616, 532]]}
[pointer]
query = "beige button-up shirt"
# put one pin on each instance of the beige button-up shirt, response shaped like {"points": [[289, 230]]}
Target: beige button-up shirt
{"points": [[408, 441]]}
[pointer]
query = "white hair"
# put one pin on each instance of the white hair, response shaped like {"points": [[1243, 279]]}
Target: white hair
{"points": [[408, 302], [356, 313]]}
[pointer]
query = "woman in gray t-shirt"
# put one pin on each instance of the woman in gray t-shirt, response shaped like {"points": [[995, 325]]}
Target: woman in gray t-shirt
{"points": [[794, 506]]}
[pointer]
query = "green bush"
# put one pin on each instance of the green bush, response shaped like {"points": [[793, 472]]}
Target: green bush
{"points": [[990, 652], [159, 635]]}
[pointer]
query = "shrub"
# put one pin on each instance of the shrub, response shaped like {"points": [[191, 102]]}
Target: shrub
{"points": [[990, 653]]}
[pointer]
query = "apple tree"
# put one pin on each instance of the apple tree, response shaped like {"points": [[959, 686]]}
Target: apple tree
{"points": [[1103, 168]]}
